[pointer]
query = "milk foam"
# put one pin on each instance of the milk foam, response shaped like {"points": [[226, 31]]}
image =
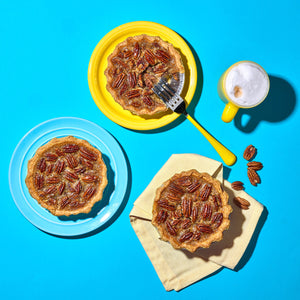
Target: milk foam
{"points": [[251, 80]]}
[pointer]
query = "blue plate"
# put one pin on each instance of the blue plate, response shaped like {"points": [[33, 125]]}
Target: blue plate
{"points": [[102, 211]]}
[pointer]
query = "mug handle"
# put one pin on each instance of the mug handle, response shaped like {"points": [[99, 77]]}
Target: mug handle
{"points": [[229, 112]]}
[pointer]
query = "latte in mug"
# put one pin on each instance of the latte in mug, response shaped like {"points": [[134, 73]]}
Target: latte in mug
{"points": [[244, 85]]}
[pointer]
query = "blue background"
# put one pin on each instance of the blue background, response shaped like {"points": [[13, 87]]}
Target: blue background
{"points": [[45, 49]]}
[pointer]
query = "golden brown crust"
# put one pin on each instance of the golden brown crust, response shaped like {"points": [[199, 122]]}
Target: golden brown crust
{"points": [[140, 72], [76, 179], [185, 216]]}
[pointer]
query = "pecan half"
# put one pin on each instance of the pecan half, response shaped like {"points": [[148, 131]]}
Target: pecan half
{"points": [[186, 236], [237, 185], [253, 177], [161, 216], [193, 187], [206, 211], [87, 154], [204, 228], [70, 148], [241, 202], [118, 81], [164, 204], [187, 207], [186, 223], [255, 165], [162, 55], [150, 57], [217, 219], [170, 228], [249, 152], [205, 191]]}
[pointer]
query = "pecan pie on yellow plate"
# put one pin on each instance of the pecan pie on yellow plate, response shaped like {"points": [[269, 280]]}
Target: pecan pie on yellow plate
{"points": [[67, 176], [135, 66], [191, 210]]}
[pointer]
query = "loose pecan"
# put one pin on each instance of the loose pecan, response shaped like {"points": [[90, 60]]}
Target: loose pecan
{"points": [[255, 165], [237, 185], [253, 176], [80, 170], [249, 152]]}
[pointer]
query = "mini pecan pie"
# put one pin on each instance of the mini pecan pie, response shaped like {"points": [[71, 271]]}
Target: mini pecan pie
{"points": [[135, 66], [191, 210], [67, 176]]}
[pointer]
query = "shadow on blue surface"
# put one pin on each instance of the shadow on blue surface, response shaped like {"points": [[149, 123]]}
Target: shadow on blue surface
{"points": [[252, 244], [106, 196], [279, 104]]}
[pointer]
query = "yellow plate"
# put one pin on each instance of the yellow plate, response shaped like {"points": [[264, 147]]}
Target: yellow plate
{"points": [[98, 64]]}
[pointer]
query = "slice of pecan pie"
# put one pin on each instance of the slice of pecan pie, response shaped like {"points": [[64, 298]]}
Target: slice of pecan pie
{"points": [[135, 66], [67, 176], [191, 210]]}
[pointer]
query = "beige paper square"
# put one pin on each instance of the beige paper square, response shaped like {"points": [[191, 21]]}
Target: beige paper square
{"points": [[179, 268]]}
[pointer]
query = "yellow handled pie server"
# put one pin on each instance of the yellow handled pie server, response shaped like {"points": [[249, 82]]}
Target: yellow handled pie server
{"points": [[174, 101]]}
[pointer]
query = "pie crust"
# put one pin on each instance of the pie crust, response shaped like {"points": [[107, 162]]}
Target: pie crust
{"points": [[191, 210], [135, 66], [67, 176]]}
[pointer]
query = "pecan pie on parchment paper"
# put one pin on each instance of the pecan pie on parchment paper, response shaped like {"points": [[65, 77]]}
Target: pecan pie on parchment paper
{"points": [[67, 176], [135, 66], [191, 210]]}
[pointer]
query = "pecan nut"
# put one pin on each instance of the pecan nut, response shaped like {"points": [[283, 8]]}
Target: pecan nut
{"points": [[255, 165], [237, 185], [253, 177], [241, 202], [249, 152]]}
